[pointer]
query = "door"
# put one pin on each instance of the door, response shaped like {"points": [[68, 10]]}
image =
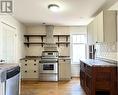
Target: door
{"points": [[7, 41]]}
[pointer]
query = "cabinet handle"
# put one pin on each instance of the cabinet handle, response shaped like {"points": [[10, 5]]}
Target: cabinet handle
{"points": [[34, 71], [25, 64], [34, 60], [34, 64], [25, 71], [25, 60]]}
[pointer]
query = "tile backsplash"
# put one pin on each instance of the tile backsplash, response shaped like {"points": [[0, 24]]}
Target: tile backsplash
{"points": [[107, 50]]}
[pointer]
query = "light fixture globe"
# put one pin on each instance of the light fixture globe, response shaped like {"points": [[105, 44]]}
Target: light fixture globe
{"points": [[54, 7]]}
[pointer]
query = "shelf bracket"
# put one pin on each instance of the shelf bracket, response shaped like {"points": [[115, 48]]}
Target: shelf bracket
{"points": [[27, 45], [58, 38], [27, 38], [42, 38], [66, 38], [42, 44]]}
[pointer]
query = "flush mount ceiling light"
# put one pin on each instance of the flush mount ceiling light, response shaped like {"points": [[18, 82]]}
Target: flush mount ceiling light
{"points": [[54, 7]]}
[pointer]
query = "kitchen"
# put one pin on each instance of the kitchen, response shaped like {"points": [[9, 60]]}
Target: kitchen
{"points": [[48, 46]]}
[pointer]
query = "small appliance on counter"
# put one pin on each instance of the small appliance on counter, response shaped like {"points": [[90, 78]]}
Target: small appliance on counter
{"points": [[91, 51]]}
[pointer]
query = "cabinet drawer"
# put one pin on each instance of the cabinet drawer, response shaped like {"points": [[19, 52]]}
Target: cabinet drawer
{"points": [[31, 66], [34, 61], [30, 61], [64, 61], [29, 73], [25, 61]]}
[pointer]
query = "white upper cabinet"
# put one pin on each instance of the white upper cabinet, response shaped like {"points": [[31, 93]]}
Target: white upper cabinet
{"points": [[103, 28], [110, 26], [100, 28], [90, 32]]}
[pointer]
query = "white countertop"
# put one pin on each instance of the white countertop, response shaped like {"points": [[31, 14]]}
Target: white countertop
{"points": [[3, 70], [100, 63], [6, 66]]}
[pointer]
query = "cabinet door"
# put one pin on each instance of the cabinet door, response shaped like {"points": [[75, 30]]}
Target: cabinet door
{"points": [[110, 26], [29, 74], [7, 40], [82, 78], [64, 70], [90, 33], [100, 28], [1, 52], [95, 30], [88, 84]]}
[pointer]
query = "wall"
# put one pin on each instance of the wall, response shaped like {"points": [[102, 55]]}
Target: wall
{"points": [[20, 30], [107, 51], [36, 50]]}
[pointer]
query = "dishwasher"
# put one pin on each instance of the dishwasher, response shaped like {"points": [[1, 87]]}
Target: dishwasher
{"points": [[12, 81], [2, 82]]}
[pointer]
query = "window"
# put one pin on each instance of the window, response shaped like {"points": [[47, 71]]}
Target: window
{"points": [[78, 47]]}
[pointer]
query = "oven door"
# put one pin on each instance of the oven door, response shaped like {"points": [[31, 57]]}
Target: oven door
{"points": [[48, 68]]}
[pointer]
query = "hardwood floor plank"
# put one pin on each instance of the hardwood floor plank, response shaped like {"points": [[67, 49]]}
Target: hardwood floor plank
{"points": [[52, 88]]}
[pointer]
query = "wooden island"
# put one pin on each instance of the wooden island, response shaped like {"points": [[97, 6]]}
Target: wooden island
{"points": [[98, 77]]}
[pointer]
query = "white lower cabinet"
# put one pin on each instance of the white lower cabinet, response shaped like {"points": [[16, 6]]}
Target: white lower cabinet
{"points": [[30, 69], [64, 69]]}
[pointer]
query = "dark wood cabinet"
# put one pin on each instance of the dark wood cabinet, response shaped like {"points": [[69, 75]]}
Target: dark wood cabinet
{"points": [[98, 80]]}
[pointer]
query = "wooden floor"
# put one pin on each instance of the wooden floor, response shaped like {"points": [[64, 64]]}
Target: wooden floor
{"points": [[52, 88]]}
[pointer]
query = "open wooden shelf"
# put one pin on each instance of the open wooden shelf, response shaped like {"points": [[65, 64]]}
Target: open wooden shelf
{"points": [[34, 35], [67, 43], [28, 43], [45, 35], [61, 35], [62, 42], [42, 38]]}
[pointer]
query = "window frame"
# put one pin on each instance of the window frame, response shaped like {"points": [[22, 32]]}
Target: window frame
{"points": [[77, 43]]}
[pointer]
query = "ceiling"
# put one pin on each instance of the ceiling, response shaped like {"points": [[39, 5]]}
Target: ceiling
{"points": [[114, 7], [73, 12]]}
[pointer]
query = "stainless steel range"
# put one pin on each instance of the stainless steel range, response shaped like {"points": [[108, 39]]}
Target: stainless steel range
{"points": [[49, 66], [49, 61]]}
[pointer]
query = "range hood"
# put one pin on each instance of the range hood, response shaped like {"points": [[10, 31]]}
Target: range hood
{"points": [[50, 45]]}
